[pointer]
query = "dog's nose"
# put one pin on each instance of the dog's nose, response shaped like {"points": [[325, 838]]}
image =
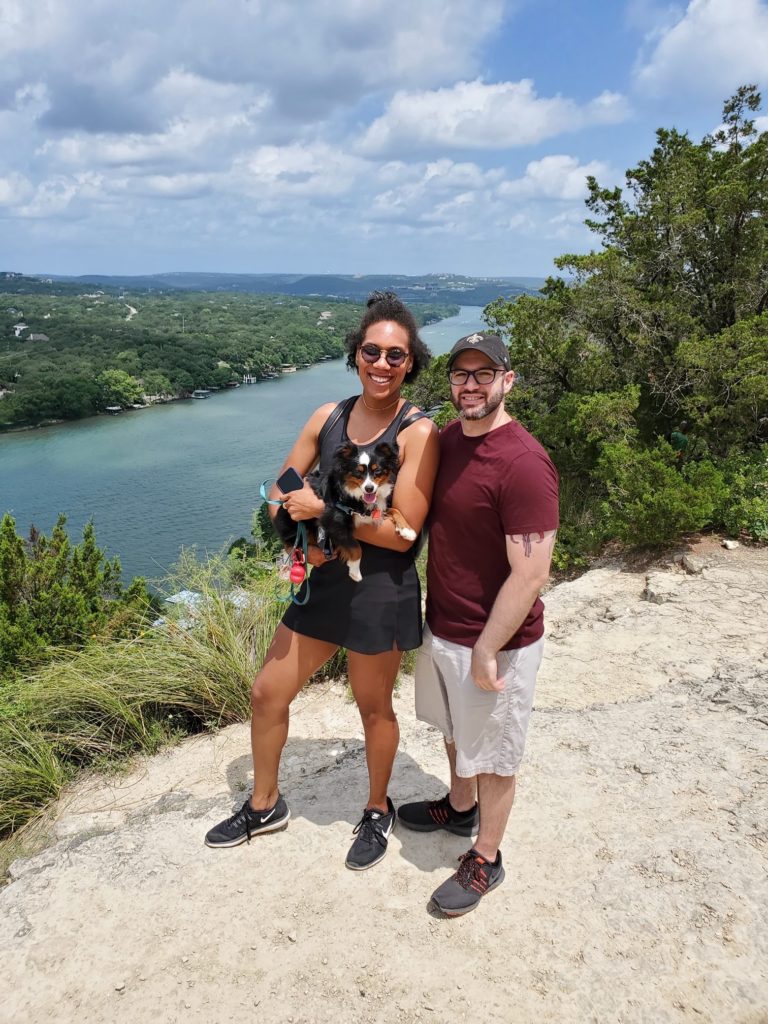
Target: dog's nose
{"points": [[369, 488]]}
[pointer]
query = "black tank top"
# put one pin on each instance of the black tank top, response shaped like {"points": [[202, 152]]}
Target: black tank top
{"points": [[381, 612], [334, 431]]}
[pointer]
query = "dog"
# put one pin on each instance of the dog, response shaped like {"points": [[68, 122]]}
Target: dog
{"points": [[357, 489]]}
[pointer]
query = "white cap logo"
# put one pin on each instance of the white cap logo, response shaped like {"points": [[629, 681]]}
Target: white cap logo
{"points": [[473, 339]]}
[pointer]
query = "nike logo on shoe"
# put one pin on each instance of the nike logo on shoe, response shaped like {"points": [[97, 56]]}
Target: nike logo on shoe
{"points": [[266, 817]]}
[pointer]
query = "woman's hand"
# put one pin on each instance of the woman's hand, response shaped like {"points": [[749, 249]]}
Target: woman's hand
{"points": [[303, 504], [316, 556]]}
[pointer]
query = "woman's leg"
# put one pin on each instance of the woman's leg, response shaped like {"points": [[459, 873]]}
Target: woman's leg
{"points": [[290, 661], [372, 679]]}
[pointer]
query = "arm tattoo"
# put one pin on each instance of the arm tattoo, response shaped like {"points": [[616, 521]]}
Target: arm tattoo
{"points": [[528, 539]]}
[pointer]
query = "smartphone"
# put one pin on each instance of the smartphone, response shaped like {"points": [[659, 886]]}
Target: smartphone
{"points": [[290, 480]]}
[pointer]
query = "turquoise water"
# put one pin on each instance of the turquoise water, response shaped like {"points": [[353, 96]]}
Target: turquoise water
{"points": [[179, 475]]}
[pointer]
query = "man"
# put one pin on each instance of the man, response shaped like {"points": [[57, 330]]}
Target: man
{"points": [[492, 528]]}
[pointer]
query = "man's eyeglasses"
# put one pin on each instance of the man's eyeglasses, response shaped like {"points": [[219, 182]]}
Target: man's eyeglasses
{"points": [[372, 354], [483, 376]]}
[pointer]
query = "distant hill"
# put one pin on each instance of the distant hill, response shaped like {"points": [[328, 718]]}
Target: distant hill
{"points": [[471, 291]]}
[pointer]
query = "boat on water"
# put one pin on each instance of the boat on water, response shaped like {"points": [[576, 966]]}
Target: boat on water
{"points": [[288, 368], [201, 393]]}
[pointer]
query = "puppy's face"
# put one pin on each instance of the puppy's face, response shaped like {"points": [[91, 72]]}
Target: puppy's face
{"points": [[368, 476]]}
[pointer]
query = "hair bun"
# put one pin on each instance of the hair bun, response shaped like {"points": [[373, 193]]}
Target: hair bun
{"points": [[375, 297]]}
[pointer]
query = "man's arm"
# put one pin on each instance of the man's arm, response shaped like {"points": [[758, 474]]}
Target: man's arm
{"points": [[530, 555]]}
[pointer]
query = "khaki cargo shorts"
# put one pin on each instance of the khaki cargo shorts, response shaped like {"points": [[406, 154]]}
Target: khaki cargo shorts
{"points": [[488, 727]]}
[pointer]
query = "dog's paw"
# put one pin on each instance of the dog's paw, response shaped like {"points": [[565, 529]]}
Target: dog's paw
{"points": [[353, 568], [407, 533], [359, 520]]}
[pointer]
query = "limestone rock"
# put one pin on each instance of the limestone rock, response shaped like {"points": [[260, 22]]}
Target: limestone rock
{"points": [[661, 587]]}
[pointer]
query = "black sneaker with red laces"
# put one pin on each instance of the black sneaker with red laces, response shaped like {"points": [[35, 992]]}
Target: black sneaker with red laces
{"points": [[430, 815], [464, 890]]}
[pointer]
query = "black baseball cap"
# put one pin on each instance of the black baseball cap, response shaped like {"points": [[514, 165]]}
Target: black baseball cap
{"points": [[490, 345]]}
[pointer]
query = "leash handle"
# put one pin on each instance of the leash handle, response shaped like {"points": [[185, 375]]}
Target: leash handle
{"points": [[264, 496], [300, 549]]}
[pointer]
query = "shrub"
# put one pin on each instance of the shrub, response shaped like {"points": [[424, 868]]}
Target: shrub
{"points": [[744, 507], [652, 498]]}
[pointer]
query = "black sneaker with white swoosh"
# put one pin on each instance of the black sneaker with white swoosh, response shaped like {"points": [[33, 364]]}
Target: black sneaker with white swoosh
{"points": [[372, 835], [246, 823]]}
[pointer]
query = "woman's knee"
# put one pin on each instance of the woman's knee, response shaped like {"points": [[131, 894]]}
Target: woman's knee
{"points": [[266, 696], [375, 715]]}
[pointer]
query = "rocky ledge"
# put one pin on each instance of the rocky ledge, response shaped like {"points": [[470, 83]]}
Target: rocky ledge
{"points": [[636, 886]]}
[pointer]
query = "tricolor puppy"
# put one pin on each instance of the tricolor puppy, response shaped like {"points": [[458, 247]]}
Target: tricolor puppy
{"points": [[358, 488]]}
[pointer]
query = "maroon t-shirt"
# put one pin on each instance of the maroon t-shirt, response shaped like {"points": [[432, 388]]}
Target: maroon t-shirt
{"points": [[487, 488]]}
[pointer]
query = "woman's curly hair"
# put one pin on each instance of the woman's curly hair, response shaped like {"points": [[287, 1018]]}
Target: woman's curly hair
{"points": [[387, 306]]}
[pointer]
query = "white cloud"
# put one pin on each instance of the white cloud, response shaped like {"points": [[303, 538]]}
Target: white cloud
{"points": [[316, 58], [479, 115], [182, 145], [715, 46], [192, 134], [556, 177], [439, 188], [314, 170], [15, 189]]}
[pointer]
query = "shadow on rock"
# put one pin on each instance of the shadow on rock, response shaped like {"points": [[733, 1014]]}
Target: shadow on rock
{"points": [[326, 780]]}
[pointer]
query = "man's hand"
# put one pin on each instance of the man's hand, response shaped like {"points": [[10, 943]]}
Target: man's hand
{"points": [[303, 504], [485, 670]]}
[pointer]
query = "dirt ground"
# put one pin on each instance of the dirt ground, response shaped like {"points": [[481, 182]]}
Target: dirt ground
{"points": [[636, 888]]}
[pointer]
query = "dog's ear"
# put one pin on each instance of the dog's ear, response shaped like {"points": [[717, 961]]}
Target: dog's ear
{"points": [[384, 450], [346, 452]]}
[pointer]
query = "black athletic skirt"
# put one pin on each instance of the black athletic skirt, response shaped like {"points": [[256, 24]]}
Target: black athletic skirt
{"points": [[381, 612]]}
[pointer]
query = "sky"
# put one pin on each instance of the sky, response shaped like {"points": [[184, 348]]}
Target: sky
{"points": [[342, 136]]}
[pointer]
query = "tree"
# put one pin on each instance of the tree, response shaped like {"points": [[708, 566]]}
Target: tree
{"points": [[118, 388], [667, 322], [55, 594]]}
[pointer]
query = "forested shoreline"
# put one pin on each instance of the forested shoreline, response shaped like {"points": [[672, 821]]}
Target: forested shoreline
{"points": [[66, 356]]}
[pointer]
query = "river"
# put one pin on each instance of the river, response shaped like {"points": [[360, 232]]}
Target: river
{"points": [[183, 474]]}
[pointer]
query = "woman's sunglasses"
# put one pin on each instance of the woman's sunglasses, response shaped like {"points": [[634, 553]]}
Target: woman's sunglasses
{"points": [[372, 354]]}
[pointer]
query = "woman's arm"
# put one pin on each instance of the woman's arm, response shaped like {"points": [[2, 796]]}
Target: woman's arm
{"points": [[303, 504], [413, 489]]}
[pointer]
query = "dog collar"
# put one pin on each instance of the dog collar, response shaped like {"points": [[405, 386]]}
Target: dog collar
{"points": [[375, 515]]}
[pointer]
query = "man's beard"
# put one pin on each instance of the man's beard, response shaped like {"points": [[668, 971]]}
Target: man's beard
{"points": [[479, 412]]}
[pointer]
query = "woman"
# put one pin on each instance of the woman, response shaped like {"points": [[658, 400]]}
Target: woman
{"points": [[375, 619]]}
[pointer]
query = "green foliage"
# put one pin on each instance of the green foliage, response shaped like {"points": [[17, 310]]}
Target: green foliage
{"points": [[651, 499], [116, 387], [728, 375], [57, 595], [265, 539], [663, 331], [431, 387], [31, 773], [744, 508], [98, 354], [116, 697]]}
